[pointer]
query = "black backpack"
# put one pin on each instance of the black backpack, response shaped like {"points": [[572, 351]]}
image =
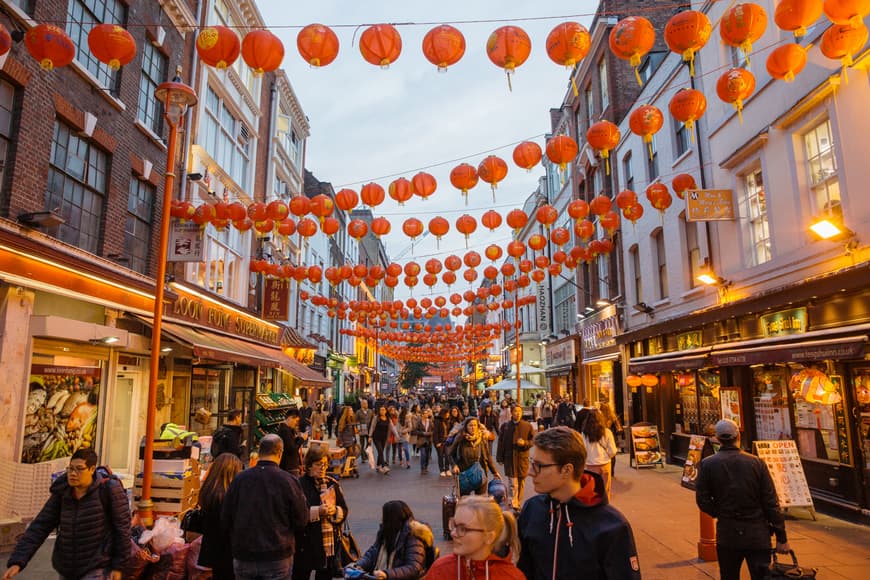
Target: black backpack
{"points": [[105, 491], [219, 442]]}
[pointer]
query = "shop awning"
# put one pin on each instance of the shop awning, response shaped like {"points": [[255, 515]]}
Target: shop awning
{"points": [[214, 346], [749, 352], [671, 361], [307, 377]]}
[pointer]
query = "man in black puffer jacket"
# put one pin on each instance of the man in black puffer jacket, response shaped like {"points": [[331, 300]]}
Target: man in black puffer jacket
{"points": [[92, 518]]}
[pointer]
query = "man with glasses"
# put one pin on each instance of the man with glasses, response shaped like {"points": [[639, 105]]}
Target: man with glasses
{"points": [[570, 527], [91, 514], [514, 441]]}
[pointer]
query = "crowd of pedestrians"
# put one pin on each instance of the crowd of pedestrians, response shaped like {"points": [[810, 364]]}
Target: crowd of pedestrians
{"points": [[282, 517]]}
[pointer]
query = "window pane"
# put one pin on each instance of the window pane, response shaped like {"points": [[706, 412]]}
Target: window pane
{"points": [[83, 15]]}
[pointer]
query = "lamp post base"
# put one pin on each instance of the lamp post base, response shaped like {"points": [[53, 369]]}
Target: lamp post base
{"points": [[707, 540], [145, 512]]}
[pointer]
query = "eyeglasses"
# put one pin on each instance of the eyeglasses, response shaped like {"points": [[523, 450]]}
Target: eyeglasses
{"points": [[536, 467], [76, 469], [459, 530]]}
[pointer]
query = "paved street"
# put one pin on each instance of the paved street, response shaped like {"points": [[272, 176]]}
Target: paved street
{"points": [[663, 516]]}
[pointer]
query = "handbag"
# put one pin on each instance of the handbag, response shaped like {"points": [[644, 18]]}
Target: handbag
{"points": [[193, 521], [348, 551], [781, 570], [471, 479]]}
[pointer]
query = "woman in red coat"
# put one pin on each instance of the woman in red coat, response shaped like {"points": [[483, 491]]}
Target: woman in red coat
{"points": [[485, 543]]}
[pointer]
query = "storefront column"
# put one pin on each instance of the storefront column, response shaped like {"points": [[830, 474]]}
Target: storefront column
{"points": [[16, 306]]}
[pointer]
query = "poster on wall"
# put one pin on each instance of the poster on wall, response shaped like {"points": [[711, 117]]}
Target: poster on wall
{"points": [[784, 463], [62, 410], [729, 400]]}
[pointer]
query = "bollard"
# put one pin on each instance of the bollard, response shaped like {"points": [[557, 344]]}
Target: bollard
{"points": [[707, 540]]}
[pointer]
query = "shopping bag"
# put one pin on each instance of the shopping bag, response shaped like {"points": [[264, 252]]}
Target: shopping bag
{"points": [[781, 570], [370, 455]]}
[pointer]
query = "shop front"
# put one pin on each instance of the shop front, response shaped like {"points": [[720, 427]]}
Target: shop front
{"points": [[561, 359], [600, 361], [799, 373]]}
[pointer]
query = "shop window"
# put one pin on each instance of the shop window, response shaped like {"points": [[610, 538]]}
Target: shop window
{"points": [[601, 376], [861, 381], [82, 16], [820, 417], [77, 180], [770, 398], [137, 233], [822, 169], [154, 65], [699, 402]]}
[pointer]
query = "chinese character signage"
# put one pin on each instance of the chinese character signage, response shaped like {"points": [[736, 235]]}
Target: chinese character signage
{"points": [[689, 340], [276, 299], [185, 242], [704, 205], [784, 322]]}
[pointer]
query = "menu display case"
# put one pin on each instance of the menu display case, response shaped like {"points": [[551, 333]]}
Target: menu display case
{"points": [[770, 400]]}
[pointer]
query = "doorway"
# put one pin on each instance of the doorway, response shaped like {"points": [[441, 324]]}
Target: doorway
{"points": [[120, 425]]}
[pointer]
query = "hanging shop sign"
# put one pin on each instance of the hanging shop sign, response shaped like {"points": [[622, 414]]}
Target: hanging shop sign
{"points": [[799, 353], [185, 242], [543, 306], [784, 463], [561, 354], [276, 299], [62, 409], [600, 334], [704, 205], [784, 322], [191, 308], [318, 364]]}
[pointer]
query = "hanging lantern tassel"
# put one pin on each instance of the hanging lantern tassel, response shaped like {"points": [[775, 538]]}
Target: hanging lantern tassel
{"points": [[690, 126], [738, 104], [605, 154], [689, 57], [648, 140], [574, 85], [635, 64], [508, 71]]}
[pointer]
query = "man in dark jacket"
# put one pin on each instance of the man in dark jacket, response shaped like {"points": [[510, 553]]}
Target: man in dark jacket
{"points": [[293, 442], [736, 488], [263, 511], [570, 531], [228, 439], [514, 441], [565, 412], [92, 517]]}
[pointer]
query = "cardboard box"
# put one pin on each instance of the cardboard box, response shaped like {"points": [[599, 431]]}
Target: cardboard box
{"points": [[11, 530]]}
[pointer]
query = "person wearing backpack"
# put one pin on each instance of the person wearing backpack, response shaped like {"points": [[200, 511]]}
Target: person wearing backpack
{"points": [[89, 509], [228, 438]]}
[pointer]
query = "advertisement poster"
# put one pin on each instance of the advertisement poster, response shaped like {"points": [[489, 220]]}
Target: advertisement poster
{"points": [[62, 410], [693, 460], [729, 400], [645, 443], [784, 463]]}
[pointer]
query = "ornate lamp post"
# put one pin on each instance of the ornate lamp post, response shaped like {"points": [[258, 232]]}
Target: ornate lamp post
{"points": [[176, 97]]}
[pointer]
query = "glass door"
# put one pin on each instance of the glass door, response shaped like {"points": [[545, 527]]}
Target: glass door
{"points": [[120, 425]]}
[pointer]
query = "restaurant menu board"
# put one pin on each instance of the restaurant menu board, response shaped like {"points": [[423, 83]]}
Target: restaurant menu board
{"points": [[646, 446], [784, 463], [698, 449]]}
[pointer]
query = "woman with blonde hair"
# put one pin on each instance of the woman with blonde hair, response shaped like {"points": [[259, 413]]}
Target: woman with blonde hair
{"points": [[485, 543]]}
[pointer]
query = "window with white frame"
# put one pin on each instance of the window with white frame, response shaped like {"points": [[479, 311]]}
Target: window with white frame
{"points": [[590, 107], [154, 65], [693, 249], [8, 123], [77, 183], [82, 16], [602, 83], [222, 270], [564, 307], [822, 168], [681, 137], [652, 159], [661, 261], [634, 257], [137, 231], [227, 139], [753, 209], [627, 172]]}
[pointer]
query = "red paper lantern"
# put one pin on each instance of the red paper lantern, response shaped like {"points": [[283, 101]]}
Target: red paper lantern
{"points": [[491, 220], [393, 269], [560, 236], [218, 46], [527, 154], [610, 222], [841, 41], [317, 44], [111, 44], [687, 106], [735, 86], [646, 121], [796, 15], [578, 209], [525, 266], [466, 225], [438, 227], [424, 184], [517, 219], [257, 211], [381, 226], [507, 270], [600, 205], [633, 213], [786, 62], [633, 381], [538, 276], [492, 170], [300, 205], [508, 47], [681, 183], [203, 214], [546, 215], [346, 199], [562, 150], [471, 259], [430, 279], [649, 380], [452, 263], [659, 196], [493, 252], [287, 227], [584, 229], [847, 12], [357, 229], [743, 24], [516, 248], [380, 45], [372, 194], [237, 211], [631, 39], [412, 269], [490, 272], [262, 51], [686, 33], [400, 190], [50, 46], [568, 43], [443, 46], [448, 278], [433, 266], [306, 227], [412, 228], [330, 226], [277, 210], [464, 177], [625, 198], [603, 136], [537, 242], [321, 205]]}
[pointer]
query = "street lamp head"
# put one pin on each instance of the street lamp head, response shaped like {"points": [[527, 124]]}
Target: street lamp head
{"points": [[176, 98]]}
